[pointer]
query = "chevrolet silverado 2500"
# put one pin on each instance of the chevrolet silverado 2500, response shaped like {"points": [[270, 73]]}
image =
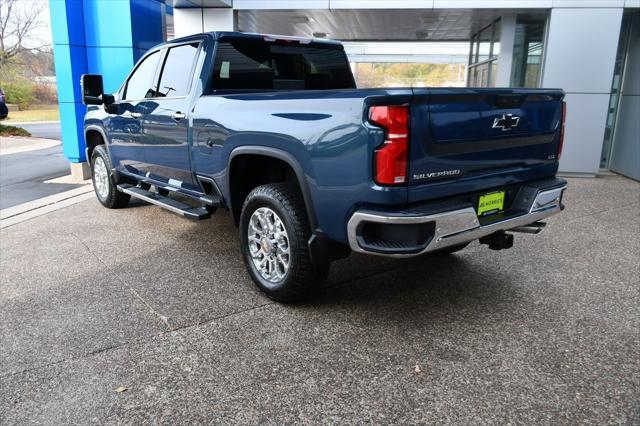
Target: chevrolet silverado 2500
{"points": [[311, 168]]}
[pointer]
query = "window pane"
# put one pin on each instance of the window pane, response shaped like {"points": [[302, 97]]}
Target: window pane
{"points": [[176, 72], [258, 65], [242, 65], [485, 44], [618, 74], [534, 63], [497, 33], [480, 75], [474, 50], [494, 73], [141, 84], [527, 52]]}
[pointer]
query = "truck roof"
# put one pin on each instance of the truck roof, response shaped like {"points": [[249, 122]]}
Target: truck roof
{"points": [[219, 35]]}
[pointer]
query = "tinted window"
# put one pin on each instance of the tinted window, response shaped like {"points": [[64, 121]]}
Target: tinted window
{"points": [[256, 64], [176, 72], [141, 84]]}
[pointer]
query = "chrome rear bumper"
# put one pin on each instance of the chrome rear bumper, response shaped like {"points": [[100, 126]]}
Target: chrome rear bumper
{"points": [[453, 227]]}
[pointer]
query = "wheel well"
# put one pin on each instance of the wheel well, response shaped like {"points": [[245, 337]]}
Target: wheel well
{"points": [[248, 171], [93, 138]]}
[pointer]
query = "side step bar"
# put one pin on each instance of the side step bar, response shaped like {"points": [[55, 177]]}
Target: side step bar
{"points": [[174, 206]]}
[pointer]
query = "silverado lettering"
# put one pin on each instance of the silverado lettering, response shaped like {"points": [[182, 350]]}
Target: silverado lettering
{"points": [[435, 175]]}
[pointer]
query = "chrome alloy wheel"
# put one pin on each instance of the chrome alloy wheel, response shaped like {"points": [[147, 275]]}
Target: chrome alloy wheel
{"points": [[101, 177], [269, 245]]}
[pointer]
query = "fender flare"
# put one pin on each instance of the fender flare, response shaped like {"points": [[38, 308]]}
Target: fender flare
{"points": [[288, 158], [99, 129], [94, 127]]}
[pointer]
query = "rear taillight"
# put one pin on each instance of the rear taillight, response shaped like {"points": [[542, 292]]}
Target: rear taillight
{"points": [[561, 143], [390, 158]]}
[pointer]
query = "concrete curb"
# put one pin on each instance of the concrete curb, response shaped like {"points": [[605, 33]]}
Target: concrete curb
{"points": [[20, 213], [25, 144]]}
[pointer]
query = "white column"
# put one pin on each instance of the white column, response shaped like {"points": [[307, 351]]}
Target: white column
{"points": [[218, 19], [581, 51], [187, 21], [505, 58], [199, 20]]}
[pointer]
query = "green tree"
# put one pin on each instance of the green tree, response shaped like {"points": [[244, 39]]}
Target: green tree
{"points": [[19, 92]]}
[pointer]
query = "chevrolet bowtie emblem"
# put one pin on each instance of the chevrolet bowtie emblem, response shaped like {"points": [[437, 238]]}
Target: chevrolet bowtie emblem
{"points": [[506, 122]]}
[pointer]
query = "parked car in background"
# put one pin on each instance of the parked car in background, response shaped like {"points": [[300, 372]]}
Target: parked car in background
{"points": [[4, 111], [312, 168]]}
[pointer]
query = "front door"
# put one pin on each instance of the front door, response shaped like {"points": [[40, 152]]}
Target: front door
{"points": [[166, 120], [126, 149], [125, 126]]}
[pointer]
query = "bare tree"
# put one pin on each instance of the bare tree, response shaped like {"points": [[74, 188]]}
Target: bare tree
{"points": [[17, 27]]}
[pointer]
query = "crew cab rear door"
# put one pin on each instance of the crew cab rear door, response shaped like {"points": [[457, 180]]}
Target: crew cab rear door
{"points": [[125, 126], [476, 136]]}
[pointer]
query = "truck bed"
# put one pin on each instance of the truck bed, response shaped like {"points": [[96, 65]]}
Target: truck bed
{"points": [[453, 146]]}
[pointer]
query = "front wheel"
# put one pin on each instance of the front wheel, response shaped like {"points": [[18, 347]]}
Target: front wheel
{"points": [[103, 185], [274, 231]]}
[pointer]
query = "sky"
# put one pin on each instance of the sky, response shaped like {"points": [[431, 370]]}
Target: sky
{"points": [[43, 33]]}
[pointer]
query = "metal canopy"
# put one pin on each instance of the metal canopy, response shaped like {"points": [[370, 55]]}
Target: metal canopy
{"points": [[186, 4], [369, 24]]}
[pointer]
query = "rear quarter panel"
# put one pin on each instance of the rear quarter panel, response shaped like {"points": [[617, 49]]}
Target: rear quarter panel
{"points": [[325, 131]]}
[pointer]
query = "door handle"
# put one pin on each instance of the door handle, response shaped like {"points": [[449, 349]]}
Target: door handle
{"points": [[178, 116], [136, 115]]}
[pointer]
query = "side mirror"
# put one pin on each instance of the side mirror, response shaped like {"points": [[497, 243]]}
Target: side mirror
{"points": [[92, 90]]}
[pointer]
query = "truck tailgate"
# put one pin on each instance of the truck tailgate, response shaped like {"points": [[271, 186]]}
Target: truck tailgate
{"points": [[470, 139]]}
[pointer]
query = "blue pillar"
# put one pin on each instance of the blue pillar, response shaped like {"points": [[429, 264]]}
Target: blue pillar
{"points": [[97, 37]]}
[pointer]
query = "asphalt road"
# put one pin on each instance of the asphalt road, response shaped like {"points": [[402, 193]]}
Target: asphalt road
{"points": [[138, 316], [43, 130], [23, 174]]}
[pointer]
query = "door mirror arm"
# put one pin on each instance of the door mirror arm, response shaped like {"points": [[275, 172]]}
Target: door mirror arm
{"points": [[108, 99], [110, 104]]}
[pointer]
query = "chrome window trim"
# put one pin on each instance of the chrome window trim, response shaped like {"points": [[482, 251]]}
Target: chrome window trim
{"points": [[164, 51]]}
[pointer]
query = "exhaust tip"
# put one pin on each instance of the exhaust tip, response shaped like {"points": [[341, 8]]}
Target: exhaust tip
{"points": [[534, 228]]}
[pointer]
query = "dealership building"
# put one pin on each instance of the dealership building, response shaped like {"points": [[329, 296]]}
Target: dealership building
{"points": [[588, 48]]}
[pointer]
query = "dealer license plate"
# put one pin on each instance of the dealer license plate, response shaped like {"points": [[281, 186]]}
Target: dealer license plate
{"points": [[490, 203]]}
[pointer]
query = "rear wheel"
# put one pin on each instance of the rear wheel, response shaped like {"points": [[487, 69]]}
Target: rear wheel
{"points": [[274, 232], [103, 185]]}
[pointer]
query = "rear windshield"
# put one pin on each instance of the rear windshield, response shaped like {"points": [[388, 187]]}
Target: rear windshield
{"points": [[260, 65]]}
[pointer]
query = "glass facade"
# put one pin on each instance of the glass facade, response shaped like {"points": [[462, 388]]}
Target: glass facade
{"points": [[483, 56], [528, 49], [616, 85]]}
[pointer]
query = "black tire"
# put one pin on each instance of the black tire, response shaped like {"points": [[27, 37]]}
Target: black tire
{"points": [[304, 277], [112, 198], [449, 250]]}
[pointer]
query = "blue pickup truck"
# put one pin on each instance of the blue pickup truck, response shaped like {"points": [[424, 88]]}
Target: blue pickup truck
{"points": [[311, 168]]}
